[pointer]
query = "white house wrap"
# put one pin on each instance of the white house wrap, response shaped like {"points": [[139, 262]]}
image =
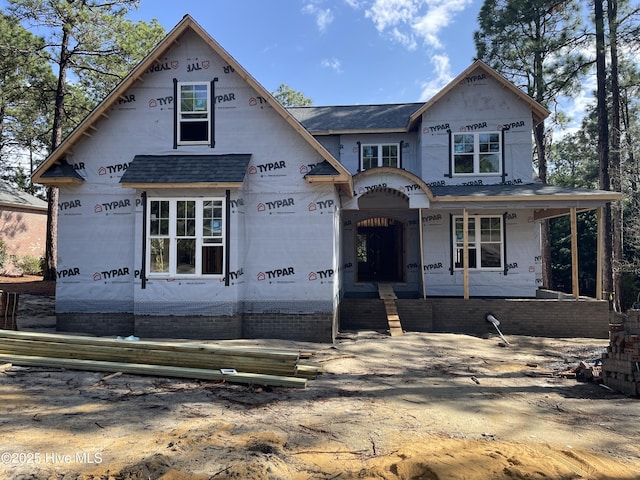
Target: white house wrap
{"points": [[192, 204]]}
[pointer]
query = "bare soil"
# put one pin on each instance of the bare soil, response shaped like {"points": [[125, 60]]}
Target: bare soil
{"points": [[417, 406]]}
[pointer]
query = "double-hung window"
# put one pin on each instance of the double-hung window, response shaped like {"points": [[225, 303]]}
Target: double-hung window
{"points": [[194, 113], [477, 153], [484, 242], [379, 155], [185, 237]]}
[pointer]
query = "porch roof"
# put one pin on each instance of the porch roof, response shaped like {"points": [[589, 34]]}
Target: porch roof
{"points": [[548, 200], [355, 118], [186, 171]]}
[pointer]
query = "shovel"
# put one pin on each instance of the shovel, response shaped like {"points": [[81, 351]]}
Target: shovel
{"points": [[493, 320]]}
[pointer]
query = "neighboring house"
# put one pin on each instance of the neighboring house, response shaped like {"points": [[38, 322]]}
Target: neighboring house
{"points": [[192, 204], [23, 226]]}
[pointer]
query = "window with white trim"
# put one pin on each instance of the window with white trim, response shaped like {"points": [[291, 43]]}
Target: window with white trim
{"points": [[485, 242], [379, 155], [185, 237], [194, 113], [477, 153]]}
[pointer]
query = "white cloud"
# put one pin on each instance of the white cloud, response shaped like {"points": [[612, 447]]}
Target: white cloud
{"points": [[332, 63], [324, 16], [410, 21], [442, 69]]}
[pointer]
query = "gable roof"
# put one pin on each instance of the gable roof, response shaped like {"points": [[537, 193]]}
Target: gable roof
{"points": [[538, 112], [187, 24], [12, 197], [396, 118], [389, 118], [186, 170]]}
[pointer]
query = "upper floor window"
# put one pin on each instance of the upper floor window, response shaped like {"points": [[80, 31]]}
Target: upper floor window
{"points": [[477, 153], [194, 113], [484, 242], [185, 237], [379, 155]]}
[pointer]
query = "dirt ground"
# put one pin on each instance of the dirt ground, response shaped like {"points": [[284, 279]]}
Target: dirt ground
{"points": [[417, 406]]}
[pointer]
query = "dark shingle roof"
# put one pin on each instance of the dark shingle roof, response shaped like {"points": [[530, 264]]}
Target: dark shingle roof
{"points": [[186, 169], [11, 196], [355, 117], [61, 170], [323, 168], [511, 190]]}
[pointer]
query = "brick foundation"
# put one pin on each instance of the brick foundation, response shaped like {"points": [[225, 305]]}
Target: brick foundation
{"points": [[550, 318], [317, 327], [100, 324]]}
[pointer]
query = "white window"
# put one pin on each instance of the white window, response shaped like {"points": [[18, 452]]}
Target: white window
{"points": [[477, 153], [485, 242], [379, 155], [194, 113], [185, 237]]}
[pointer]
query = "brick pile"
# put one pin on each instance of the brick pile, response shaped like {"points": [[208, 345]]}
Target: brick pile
{"points": [[621, 362]]}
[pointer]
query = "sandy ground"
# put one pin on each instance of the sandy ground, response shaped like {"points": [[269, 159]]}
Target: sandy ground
{"points": [[418, 406]]}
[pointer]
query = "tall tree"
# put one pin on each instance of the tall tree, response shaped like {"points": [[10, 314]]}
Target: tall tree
{"points": [[535, 44], [603, 137], [289, 97], [614, 161], [85, 43], [26, 87]]}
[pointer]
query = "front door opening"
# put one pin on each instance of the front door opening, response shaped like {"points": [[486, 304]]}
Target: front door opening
{"points": [[380, 250]]}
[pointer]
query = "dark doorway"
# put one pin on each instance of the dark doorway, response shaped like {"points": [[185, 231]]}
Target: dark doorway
{"points": [[380, 250]]}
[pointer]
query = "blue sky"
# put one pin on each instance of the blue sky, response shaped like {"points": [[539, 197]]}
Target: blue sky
{"points": [[338, 52]]}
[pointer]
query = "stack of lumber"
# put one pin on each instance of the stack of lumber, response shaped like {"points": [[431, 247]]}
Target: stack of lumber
{"points": [[621, 362], [255, 366]]}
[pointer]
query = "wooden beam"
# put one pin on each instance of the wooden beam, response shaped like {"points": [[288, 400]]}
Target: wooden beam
{"points": [[424, 283], [599, 253], [575, 287], [154, 370], [465, 251]]}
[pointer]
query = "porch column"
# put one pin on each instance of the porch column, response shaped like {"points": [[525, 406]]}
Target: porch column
{"points": [[465, 252], [599, 253], [424, 286], [574, 254]]}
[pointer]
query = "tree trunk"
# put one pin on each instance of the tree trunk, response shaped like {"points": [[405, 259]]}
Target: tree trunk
{"points": [[603, 144], [51, 253], [614, 163]]}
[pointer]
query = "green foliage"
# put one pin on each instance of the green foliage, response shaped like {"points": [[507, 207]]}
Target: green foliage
{"points": [[3, 253], [536, 46], [93, 45], [29, 265], [561, 253], [287, 97], [27, 84]]}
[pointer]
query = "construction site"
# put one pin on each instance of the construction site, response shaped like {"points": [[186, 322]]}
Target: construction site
{"points": [[410, 405]]}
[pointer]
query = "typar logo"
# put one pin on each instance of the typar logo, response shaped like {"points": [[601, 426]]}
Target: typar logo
{"points": [[112, 206], [277, 273], [320, 275], [198, 65], [164, 66], [275, 205], [258, 101], [68, 272], [68, 205], [111, 274], [321, 206], [267, 167], [113, 169], [162, 102]]}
